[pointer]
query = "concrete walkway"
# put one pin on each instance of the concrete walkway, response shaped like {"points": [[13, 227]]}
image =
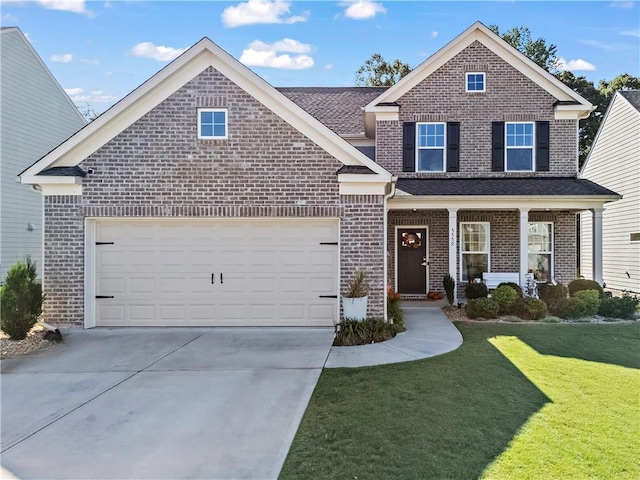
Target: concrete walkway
{"points": [[429, 333]]}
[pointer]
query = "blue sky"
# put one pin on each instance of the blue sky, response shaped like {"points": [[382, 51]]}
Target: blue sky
{"points": [[100, 51]]}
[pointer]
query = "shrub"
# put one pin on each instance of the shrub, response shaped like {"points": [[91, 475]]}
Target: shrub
{"points": [[371, 330], [506, 297], [21, 299], [513, 285], [584, 284], [475, 290], [591, 299], [619, 307], [449, 287], [530, 308], [553, 295], [482, 307], [573, 307], [395, 313]]}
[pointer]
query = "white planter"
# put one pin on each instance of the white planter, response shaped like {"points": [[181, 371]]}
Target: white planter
{"points": [[354, 308]]}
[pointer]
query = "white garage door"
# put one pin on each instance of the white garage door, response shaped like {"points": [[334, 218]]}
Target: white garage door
{"points": [[228, 272]]}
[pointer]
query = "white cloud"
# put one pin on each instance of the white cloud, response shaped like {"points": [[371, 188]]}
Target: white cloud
{"points": [[75, 6], [621, 4], [328, 66], [157, 52], [89, 61], [78, 95], [7, 17], [260, 11], [434, 34], [65, 58], [632, 33], [260, 54], [575, 65], [73, 91], [362, 9]]}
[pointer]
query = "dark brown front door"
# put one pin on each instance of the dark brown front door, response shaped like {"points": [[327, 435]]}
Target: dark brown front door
{"points": [[412, 261]]}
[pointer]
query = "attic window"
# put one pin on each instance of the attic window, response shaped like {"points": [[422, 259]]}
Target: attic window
{"points": [[212, 123], [475, 82]]}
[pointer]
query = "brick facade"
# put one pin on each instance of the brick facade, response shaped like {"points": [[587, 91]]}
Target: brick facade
{"points": [[158, 168], [504, 237], [510, 96]]}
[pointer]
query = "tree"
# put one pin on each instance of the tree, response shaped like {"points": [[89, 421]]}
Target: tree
{"points": [[536, 50], [88, 112], [21, 298], [377, 72], [600, 97]]}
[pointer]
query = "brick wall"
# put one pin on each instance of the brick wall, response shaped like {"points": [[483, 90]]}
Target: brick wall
{"points": [[505, 238], [510, 96], [158, 168], [362, 245]]}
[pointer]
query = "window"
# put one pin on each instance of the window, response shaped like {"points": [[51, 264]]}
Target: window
{"points": [[519, 147], [634, 237], [541, 251], [474, 250], [475, 82], [212, 123], [430, 152]]}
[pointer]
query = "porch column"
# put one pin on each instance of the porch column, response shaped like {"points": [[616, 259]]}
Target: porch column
{"points": [[453, 249], [596, 244], [524, 244]]}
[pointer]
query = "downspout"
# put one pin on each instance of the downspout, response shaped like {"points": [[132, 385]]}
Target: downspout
{"points": [[385, 228]]}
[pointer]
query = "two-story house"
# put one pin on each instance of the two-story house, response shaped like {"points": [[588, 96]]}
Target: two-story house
{"points": [[28, 90], [208, 197]]}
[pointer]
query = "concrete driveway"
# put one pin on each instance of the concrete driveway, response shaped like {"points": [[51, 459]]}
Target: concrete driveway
{"points": [[214, 403]]}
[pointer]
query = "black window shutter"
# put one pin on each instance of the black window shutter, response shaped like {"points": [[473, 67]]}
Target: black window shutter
{"points": [[497, 147], [542, 146], [453, 146], [409, 147]]}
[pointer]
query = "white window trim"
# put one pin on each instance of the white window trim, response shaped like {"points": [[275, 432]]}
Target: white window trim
{"points": [[462, 252], [631, 240], [484, 82], [533, 147], [226, 123], [552, 263], [443, 148]]}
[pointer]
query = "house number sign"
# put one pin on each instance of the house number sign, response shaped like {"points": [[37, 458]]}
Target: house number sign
{"points": [[453, 237]]}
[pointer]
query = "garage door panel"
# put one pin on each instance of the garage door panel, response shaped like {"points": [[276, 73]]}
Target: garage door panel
{"points": [[159, 272]]}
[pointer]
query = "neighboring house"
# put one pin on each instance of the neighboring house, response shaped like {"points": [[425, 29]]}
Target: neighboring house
{"points": [[614, 162], [208, 197], [35, 116]]}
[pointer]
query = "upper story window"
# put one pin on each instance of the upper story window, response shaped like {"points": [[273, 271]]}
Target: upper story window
{"points": [[430, 151], [519, 147], [475, 82], [212, 123]]}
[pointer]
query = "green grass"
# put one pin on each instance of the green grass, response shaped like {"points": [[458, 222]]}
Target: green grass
{"points": [[514, 402]]}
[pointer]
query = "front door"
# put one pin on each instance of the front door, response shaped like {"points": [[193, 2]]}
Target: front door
{"points": [[412, 261]]}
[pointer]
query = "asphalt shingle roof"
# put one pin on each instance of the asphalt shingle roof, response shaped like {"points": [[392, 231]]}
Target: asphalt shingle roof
{"points": [[517, 187], [339, 108], [633, 97], [64, 172]]}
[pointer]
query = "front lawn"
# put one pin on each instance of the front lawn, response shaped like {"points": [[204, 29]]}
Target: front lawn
{"points": [[513, 402]]}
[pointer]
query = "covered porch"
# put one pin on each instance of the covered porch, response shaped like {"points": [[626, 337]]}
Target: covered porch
{"points": [[464, 227]]}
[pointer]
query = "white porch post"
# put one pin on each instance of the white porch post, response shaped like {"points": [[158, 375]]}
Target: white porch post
{"points": [[596, 243], [524, 244], [453, 249]]}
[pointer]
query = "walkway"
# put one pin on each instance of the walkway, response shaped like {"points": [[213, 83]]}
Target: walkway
{"points": [[429, 333]]}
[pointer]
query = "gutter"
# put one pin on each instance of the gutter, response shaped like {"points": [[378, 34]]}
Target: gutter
{"points": [[385, 267]]}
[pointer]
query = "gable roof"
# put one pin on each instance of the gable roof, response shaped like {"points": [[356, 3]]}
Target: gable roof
{"points": [[478, 32], [633, 98], [167, 81], [339, 108], [45, 69]]}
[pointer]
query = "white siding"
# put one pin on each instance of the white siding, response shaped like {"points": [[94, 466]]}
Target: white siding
{"points": [[36, 116], [614, 163]]}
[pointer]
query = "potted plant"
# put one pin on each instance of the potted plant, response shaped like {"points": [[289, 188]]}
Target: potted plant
{"points": [[354, 302]]}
